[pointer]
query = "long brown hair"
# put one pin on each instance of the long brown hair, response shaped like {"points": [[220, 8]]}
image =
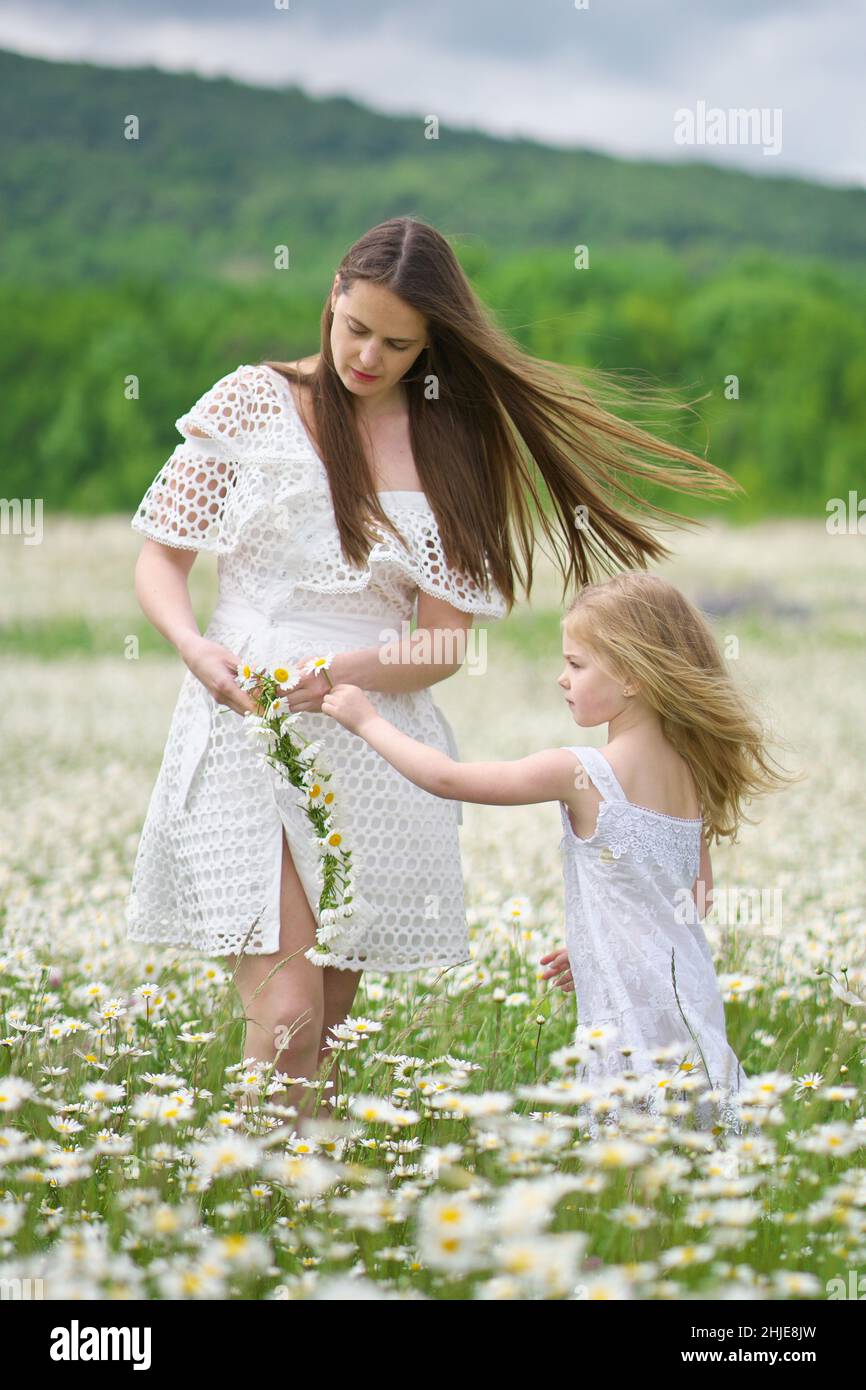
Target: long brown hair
{"points": [[498, 417], [641, 628]]}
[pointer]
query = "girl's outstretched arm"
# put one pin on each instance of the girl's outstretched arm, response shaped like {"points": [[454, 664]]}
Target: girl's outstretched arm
{"points": [[547, 776]]}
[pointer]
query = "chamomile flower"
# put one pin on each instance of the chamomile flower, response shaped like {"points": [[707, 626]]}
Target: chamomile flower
{"points": [[331, 843], [364, 1025], [681, 1256], [451, 1232], [225, 1155], [286, 676], [614, 1153], [733, 987], [838, 1093], [796, 1283], [375, 1110], [837, 1140], [103, 1090], [317, 664], [247, 676], [810, 1082], [765, 1088], [12, 1213], [598, 1037], [255, 726]]}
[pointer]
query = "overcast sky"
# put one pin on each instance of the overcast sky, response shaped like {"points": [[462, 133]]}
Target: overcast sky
{"points": [[609, 77]]}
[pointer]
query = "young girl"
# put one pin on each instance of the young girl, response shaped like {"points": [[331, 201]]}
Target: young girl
{"points": [[683, 751]]}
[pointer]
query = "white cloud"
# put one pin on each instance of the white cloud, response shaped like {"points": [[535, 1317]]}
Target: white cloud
{"points": [[551, 73]]}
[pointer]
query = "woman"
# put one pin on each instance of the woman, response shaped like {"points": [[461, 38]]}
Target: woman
{"points": [[388, 469]]}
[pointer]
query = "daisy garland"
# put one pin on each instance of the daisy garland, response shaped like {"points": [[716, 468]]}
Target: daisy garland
{"points": [[294, 756]]}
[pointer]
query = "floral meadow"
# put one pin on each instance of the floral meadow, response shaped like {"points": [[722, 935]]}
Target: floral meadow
{"points": [[449, 1156]]}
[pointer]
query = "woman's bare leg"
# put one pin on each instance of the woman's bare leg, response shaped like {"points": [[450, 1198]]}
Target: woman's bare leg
{"points": [[285, 1015]]}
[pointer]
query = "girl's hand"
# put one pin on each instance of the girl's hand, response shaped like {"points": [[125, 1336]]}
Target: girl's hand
{"points": [[217, 667], [560, 967], [349, 706]]}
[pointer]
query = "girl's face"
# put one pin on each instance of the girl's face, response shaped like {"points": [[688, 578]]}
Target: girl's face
{"points": [[592, 696], [375, 338]]}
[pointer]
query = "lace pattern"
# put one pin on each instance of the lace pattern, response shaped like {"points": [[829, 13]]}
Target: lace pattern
{"points": [[640, 960], [208, 861], [257, 491], [663, 841]]}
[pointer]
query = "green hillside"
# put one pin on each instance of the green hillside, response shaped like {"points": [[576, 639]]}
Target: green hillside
{"points": [[155, 258], [219, 168]]}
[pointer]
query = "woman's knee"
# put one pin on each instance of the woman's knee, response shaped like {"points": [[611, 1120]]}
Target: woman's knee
{"points": [[298, 1032], [293, 1018]]}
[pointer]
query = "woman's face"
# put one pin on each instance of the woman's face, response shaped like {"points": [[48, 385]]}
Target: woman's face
{"points": [[375, 338]]}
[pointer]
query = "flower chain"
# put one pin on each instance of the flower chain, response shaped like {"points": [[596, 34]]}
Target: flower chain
{"points": [[292, 755]]}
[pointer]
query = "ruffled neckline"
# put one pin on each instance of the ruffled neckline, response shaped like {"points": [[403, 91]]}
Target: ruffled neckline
{"points": [[268, 495], [420, 499]]}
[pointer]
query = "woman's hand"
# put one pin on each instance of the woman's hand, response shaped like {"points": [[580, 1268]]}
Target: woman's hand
{"points": [[217, 667], [559, 966], [349, 706], [305, 697]]}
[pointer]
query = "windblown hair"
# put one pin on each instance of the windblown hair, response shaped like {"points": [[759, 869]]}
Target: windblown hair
{"points": [[641, 629], [486, 419]]}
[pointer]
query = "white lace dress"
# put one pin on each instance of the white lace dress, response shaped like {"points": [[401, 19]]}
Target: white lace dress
{"points": [[627, 903], [209, 857]]}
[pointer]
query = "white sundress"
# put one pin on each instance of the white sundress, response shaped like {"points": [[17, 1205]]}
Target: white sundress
{"points": [[627, 894], [209, 857]]}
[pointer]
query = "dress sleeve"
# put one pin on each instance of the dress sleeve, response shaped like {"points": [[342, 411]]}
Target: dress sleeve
{"points": [[191, 500], [461, 591], [425, 561]]}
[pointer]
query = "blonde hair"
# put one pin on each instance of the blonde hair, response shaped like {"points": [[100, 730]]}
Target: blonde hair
{"points": [[640, 628]]}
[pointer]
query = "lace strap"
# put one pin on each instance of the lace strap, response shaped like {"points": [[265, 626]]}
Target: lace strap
{"points": [[599, 771]]}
